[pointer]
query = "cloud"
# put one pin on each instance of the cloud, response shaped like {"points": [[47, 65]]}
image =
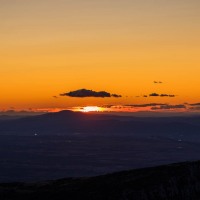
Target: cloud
{"points": [[89, 93], [106, 106], [164, 95], [161, 95], [168, 107], [161, 107], [157, 82], [195, 104], [55, 97], [154, 95], [195, 108], [116, 95], [146, 105]]}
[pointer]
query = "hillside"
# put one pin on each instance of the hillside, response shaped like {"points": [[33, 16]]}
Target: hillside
{"points": [[176, 181]]}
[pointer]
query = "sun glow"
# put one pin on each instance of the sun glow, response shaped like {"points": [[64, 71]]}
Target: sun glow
{"points": [[92, 109]]}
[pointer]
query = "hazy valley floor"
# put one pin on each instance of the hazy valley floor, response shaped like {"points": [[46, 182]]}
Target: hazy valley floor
{"points": [[70, 144], [34, 158]]}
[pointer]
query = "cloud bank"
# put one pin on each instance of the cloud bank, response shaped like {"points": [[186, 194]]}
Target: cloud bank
{"points": [[153, 107]]}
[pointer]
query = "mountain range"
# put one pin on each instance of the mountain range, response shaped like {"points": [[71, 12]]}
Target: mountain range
{"points": [[68, 122]]}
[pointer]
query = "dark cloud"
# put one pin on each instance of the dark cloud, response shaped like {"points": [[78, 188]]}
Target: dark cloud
{"points": [[89, 93], [158, 82], [145, 96], [106, 106], [55, 97], [146, 105], [172, 106], [168, 107], [154, 95], [116, 95], [164, 95], [195, 104], [161, 95]]}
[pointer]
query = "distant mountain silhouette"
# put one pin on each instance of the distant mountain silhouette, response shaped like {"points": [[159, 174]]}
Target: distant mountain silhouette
{"points": [[68, 122], [176, 181]]}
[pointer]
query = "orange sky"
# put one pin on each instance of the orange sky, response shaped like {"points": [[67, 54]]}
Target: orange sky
{"points": [[50, 47]]}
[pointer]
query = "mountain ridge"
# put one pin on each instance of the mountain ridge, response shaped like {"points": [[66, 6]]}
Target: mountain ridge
{"points": [[68, 122]]}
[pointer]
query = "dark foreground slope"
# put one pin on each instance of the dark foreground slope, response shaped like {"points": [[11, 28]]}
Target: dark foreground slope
{"points": [[175, 181]]}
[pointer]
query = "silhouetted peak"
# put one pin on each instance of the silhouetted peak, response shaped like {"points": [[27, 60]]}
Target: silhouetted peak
{"points": [[63, 114]]}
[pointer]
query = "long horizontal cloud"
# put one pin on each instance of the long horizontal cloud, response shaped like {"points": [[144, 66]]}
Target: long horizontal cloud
{"points": [[168, 107], [150, 107], [195, 108], [195, 104], [161, 95], [89, 93], [146, 105]]}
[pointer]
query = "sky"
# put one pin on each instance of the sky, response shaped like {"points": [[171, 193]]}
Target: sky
{"points": [[132, 48]]}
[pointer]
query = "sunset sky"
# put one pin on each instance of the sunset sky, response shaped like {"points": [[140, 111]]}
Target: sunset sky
{"points": [[52, 47]]}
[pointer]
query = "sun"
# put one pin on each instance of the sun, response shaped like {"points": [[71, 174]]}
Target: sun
{"points": [[92, 109]]}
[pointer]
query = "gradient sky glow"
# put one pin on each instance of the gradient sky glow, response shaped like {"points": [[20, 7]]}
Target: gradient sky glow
{"points": [[49, 47]]}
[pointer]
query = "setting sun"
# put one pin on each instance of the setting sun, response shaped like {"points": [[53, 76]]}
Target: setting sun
{"points": [[92, 109]]}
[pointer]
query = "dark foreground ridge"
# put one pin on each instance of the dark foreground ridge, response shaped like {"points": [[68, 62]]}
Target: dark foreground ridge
{"points": [[176, 181]]}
